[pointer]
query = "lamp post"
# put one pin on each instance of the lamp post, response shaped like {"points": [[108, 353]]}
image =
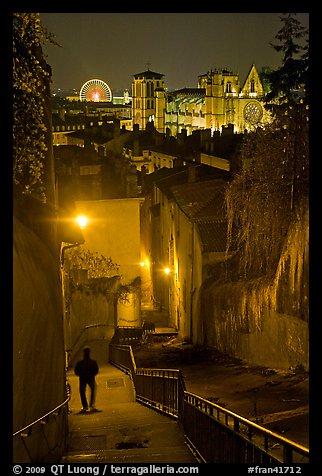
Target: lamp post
{"points": [[167, 272]]}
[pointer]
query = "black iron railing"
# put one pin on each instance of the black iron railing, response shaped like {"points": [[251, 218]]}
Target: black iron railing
{"points": [[215, 434], [122, 357], [221, 436], [127, 335], [159, 388]]}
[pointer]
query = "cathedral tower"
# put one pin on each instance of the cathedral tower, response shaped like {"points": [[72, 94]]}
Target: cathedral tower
{"points": [[147, 91]]}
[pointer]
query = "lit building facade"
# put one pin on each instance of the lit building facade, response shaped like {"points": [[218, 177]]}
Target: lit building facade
{"points": [[148, 100], [218, 100]]}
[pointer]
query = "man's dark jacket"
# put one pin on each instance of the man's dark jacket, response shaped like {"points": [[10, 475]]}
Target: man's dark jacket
{"points": [[86, 369]]}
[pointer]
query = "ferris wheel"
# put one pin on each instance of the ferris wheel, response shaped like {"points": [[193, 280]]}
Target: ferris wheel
{"points": [[95, 90]]}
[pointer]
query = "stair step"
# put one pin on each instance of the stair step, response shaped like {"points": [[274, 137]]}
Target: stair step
{"points": [[170, 454], [122, 430]]}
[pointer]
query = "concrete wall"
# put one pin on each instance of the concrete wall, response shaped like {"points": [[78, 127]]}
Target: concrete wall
{"points": [[266, 338], [114, 231], [92, 316], [261, 321], [38, 347], [95, 309], [187, 262]]}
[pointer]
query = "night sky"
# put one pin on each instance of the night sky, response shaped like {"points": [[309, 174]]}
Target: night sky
{"points": [[115, 46]]}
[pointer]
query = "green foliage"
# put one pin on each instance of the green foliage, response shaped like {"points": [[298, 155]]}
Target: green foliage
{"points": [[30, 77], [98, 266]]}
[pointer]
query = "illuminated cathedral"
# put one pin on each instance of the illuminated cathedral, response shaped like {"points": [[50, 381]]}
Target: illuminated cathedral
{"points": [[218, 100]]}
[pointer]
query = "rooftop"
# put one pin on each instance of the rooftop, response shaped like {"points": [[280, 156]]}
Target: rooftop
{"points": [[201, 199], [148, 75], [190, 92], [213, 234], [204, 204]]}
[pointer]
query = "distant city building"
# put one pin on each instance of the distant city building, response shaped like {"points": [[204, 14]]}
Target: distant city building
{"points": [[63, 124], [70, 115], [122, 99], [219, 100], [119, 97], [148, 99]]}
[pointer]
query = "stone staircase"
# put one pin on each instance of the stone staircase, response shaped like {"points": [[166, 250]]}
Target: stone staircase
{"points": [[122, 431], [160, 318]]}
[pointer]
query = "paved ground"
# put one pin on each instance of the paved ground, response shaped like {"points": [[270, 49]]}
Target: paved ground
{"points": [[123, 431]]}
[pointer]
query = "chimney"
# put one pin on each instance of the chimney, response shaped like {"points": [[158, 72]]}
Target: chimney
{"points": [[227, 130], [182, 136], [205, 136], [62, 114], [116, 127]]}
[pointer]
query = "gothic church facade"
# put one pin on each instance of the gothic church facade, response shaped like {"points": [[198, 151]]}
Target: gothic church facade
{"points": [[218, 100]]}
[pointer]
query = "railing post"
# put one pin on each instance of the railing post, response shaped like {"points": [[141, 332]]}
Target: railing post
{"points": [[236, 425], [287, 454]]}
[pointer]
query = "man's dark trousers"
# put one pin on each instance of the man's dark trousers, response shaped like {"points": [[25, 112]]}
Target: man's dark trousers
{"points": [[82, 391]]}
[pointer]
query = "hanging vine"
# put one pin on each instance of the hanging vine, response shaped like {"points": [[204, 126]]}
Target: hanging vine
{"points": [[264, 196], [273, 183]]}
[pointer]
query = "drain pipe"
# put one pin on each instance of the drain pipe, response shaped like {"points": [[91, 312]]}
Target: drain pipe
{"points": [[192, 290], [62, 252]]}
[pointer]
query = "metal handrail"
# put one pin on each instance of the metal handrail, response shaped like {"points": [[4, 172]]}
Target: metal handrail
{"points": [[245, 421], [128, 367], [159, 388], [234, 421], [23, 431], [85, 328], [221, 417]]}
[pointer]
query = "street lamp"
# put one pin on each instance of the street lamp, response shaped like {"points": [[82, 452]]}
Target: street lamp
{"points": [[82, 221], [145, 264]]}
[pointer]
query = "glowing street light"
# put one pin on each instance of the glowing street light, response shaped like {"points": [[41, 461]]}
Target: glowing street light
{"points": [[82, 221], [167, 270], [145, 264]]}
